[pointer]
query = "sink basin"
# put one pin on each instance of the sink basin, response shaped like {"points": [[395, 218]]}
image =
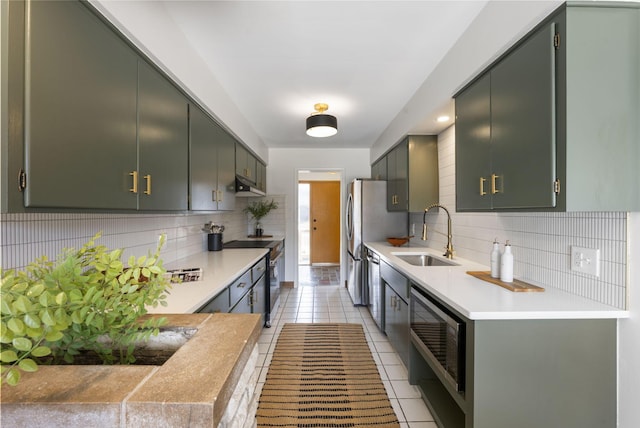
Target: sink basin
{"points": [[424, 260]]}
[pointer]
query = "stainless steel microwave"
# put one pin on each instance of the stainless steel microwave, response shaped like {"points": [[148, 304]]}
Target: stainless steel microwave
{"points": [[440, 336]]}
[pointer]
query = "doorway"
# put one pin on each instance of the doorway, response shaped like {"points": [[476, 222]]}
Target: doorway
{"points": [[319, 227]]}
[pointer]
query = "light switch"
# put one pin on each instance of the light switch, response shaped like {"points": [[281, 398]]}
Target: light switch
{"points": [[585, 260]]}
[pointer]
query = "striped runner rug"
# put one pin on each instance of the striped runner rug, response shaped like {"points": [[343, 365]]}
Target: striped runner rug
{"points": [[323, 375]]}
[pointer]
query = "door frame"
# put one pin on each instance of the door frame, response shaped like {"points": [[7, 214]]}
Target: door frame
{"points": [[304, 174]]}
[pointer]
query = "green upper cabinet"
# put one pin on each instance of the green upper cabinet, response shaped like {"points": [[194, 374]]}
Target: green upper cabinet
{"points": [[245, 163], [103, 129], [473, 146], [163, 138], [79, 116], [412, 174], [261, 176], [552, 124], [505, 133], [398, 177], [379, 169], [212, 164]]}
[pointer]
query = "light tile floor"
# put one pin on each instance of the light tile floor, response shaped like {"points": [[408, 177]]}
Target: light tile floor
{"points": [[331, 303]]}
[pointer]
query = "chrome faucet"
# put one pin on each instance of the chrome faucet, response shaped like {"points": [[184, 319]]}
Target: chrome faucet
{"points": [[449, 250]]}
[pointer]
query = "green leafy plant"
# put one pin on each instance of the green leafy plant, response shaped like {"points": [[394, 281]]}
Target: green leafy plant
{"points": [[260, 208], [86, 301]]}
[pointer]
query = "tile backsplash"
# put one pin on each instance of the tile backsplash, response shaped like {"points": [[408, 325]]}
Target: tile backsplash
{"points": [[25, 237], [541, 242]]}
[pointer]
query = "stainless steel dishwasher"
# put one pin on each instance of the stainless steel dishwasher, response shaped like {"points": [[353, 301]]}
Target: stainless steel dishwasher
{"points": [[376, 292]]}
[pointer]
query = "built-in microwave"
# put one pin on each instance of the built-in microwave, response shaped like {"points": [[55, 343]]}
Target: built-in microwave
{"points": [[439, 335]]}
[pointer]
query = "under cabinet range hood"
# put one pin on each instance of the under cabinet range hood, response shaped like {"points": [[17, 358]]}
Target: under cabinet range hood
{"points": [[245, 188]]}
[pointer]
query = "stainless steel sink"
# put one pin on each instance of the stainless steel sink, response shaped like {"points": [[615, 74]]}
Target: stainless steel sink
{"points": [[424, 260]]}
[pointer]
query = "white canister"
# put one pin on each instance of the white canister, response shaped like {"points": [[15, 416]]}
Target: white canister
{"points": [[506, 264], [495, 260]]}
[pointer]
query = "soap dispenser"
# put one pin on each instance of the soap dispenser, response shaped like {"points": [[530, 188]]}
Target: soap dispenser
{"points": [[506, 264], [495, 260]]}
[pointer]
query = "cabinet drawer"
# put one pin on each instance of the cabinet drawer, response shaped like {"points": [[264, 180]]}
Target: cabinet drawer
{"points": [[219, 304], [240, 287], [398, 282]]}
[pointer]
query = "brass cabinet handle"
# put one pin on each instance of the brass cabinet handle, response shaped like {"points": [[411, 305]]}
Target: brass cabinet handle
{"points": [[148, 180], [134, 188], [482, 180], [494, 189]]}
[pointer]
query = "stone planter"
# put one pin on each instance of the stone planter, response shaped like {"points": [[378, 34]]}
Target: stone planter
{"points": [[208, 382]]}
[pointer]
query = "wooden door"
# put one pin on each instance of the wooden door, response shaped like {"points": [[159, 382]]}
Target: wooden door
{"points": [[324, 207]]}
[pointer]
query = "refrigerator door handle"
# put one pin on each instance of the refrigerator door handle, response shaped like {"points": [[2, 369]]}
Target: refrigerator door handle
{"points": [[349, 217]]}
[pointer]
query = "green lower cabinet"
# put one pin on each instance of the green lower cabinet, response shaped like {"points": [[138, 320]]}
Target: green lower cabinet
{"points": [[527, 374]]}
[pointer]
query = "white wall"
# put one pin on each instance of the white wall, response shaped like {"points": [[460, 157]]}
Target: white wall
{"points": [[282, 177]]}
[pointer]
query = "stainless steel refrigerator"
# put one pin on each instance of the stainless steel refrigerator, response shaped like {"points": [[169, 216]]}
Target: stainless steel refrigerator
{"points": [[367, 220]]}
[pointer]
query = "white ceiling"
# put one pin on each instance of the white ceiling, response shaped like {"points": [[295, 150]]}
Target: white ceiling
{"points": [[386, 68], [276, 59]]}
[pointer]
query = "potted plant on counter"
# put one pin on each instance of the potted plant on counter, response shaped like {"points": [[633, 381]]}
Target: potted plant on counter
{"points": [[86, 301], [258, 211]]}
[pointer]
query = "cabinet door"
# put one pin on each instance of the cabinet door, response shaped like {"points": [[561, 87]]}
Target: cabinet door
{"points": [[203, 162], [389, 313], [244, 306], [403, 331], [473, 146], [523, 137], [259, 296], [398, 178], [212, 164], [244, 163], [379, 169], [226, 170], [261, 176], [163, 142], [241, 160], [397, 323], [80, 110]]}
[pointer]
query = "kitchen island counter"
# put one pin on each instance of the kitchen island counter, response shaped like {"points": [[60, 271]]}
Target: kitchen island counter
{"points": [[219, 270], [480, 300]]}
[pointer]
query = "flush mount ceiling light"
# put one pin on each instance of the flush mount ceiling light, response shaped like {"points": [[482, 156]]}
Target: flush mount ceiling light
{"points": [[320, 124]]}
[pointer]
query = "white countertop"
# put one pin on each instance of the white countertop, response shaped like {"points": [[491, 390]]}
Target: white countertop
{"points": [[481, 300], [219, 269]]}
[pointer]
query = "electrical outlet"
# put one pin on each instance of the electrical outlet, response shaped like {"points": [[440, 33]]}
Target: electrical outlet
{"points": [[585, 260]]}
